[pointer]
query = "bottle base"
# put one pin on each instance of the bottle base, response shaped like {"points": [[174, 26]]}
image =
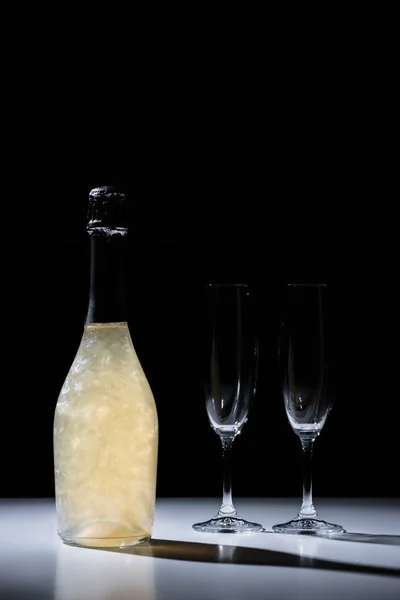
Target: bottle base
{"points": [[118, 542]]}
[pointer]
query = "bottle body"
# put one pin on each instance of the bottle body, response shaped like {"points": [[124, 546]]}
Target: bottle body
{"points": [[105, 443]]}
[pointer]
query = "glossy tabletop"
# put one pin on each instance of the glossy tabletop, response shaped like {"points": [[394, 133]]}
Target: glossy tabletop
{"points": [[180, 563]]}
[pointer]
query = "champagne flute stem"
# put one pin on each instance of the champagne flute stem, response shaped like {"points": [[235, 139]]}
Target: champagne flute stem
{"points": [[227, 508], [307, 509]]}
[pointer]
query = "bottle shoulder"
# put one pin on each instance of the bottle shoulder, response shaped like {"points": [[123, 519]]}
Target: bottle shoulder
{"points": [[106, 341], [106, 364]]}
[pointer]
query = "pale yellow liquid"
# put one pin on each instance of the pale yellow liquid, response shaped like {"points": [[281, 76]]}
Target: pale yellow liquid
{"points": [[105, 443]]}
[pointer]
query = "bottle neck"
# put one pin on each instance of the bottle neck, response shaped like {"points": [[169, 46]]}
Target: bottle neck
{"points": [[108, 289]]}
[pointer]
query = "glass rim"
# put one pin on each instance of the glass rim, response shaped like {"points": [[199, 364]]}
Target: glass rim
{"points": [[227, 285], [307, 285]]}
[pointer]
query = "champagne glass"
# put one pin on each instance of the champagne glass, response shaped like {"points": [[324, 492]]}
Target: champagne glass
{"points": [[230, 383], [306, 360]]}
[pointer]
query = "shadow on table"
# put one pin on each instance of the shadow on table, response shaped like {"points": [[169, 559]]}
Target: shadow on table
{"points": [[200, 552], [365, 538], [349, 536]]}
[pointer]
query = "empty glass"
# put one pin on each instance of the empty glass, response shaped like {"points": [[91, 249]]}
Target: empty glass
{"points": [[230, 383], [306, 359]]}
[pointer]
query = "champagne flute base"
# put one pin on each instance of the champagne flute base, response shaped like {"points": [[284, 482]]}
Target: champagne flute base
{"points": [[227, 525], [308, 526]]}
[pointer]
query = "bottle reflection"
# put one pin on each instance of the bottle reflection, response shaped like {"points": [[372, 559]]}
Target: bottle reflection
{"points": [[96, 574]]}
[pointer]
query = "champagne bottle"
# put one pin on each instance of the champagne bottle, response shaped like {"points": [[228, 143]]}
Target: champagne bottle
{"points": [[105, 422]]}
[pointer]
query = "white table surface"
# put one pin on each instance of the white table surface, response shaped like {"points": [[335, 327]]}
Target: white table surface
{"points": [[182, 564]]}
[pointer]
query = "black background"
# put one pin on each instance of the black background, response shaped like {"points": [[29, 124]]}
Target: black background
{"points": [[328, 216]]}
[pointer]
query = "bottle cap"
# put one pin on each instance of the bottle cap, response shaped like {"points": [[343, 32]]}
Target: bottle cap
{"points": [[107, 211]]}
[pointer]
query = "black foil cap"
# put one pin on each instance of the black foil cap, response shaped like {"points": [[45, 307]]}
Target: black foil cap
{"points": [[107, 211]]}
